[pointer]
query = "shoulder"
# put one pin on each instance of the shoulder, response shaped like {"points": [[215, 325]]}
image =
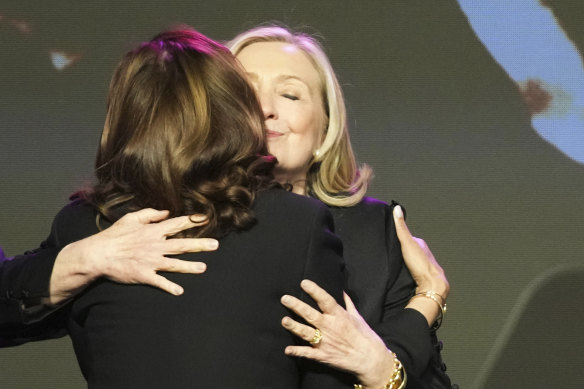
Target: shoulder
{"points": [[292, 212], [369, 216], [368, 207], [284, 202], [77, 208], [74, 221]]}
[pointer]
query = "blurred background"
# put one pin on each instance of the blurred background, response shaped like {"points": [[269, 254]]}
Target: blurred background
{"points": [[470, 114]]}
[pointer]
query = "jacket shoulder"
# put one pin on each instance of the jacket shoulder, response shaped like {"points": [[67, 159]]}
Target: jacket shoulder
{"points": [[280, 200], [368, 207], [74, 221]]}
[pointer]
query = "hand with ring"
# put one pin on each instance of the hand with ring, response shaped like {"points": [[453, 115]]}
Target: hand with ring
{"points": [[344, 339], [131, 251], [316, 338]]}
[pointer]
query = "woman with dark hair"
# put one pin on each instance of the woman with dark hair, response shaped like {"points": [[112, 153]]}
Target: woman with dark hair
{"points": [[304, 114], [184, 132]]}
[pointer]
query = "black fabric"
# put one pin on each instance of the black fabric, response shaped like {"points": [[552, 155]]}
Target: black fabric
{"points": [[380, 285], [225, 330], [376, 279], [24, 281]]}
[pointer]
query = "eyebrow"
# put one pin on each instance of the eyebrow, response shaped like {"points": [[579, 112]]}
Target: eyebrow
{"points": [[282, 77]]}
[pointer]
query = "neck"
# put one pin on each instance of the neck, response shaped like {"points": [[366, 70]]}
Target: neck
{"points": [[298, 180]]}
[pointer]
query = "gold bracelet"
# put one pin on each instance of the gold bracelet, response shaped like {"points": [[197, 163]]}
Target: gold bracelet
{"points": [[397, 380], [441, 304]]}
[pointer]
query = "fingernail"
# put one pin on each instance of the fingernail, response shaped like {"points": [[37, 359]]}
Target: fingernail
{"points": [[200, 267], [178, 291], [212, 244], [286, 299], [286, 322], [288, 351], [305, 284], [397, 211], [198, 218]]}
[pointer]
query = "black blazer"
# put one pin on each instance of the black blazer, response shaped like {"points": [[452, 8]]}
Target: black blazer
{"points": [[376, 279], [380, 285], [224, 331]]}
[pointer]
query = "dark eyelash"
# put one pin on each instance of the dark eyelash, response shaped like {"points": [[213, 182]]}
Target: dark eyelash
{"points": [[291, 97]]}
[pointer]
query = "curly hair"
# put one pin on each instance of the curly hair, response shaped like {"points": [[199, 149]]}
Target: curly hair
{"points": [[184, 132]]}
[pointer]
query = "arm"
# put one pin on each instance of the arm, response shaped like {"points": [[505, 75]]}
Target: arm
{"points": [[23, 282], [427, 273], [132, 250], [324, 265], [351, 345]]}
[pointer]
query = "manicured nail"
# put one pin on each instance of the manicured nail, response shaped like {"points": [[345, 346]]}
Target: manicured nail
{"points": [[178, 290], [212, 244], [397, 211], [286, 299]]}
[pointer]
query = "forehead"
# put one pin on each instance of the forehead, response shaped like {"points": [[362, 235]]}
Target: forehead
{"points": [[276, 59]]}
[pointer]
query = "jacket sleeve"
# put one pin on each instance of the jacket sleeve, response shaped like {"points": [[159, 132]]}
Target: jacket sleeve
{"points": [[24, 281], [325, 266]]}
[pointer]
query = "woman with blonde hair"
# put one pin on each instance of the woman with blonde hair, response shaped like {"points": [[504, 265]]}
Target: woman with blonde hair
{"points": [[294, 79]]}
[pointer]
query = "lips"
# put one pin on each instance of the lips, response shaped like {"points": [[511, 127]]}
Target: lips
{"points": [[273, 134]]}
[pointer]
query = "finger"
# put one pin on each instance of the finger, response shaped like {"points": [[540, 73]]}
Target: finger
{"points": [[147, 215], [180, 223], [306, 352], [174, 265], [304, 310], [158, 281], [349, 304], [300, 330], [325, 301], [199, 218], [189, 245], [403, 232]]}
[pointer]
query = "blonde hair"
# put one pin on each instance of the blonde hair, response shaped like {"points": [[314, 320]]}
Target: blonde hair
{"points": [[333, 176]]}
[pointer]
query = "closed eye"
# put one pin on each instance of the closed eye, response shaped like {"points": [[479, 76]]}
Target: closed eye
{"points": [[289, 96]]}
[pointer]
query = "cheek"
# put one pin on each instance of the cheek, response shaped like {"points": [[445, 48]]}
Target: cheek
{"points": [[293, 153], [306, 122]]}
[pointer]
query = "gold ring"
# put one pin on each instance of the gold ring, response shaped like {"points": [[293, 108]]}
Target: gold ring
{"points": [[317, 337]]}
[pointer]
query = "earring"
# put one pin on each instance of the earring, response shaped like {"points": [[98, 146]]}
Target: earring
{"points": [[317, 153]]}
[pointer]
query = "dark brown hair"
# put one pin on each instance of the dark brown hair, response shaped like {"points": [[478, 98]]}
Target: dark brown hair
{"points": [[184, 132]]}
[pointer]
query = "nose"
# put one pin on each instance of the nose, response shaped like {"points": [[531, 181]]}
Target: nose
{"points": [[268, 106]]}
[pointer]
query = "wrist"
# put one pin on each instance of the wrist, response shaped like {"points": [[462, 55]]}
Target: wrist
{"points": [[424, 303], [375, 376], [438, 284], [427, 308], [72, 272], [78, 256], [397, 379]]}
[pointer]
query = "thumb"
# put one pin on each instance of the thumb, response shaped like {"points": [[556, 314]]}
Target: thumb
{"points": [[349, 306], [403, 232]]}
